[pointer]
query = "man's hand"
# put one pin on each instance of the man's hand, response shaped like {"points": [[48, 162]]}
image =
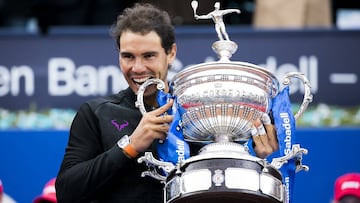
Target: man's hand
{"points": [[264, 137], [153, 125]]}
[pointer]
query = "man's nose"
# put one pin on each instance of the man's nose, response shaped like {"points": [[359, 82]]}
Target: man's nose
{"points": [[139, 65]]}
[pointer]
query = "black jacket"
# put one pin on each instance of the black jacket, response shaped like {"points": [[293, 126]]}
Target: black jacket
{"points": [[94, 168]]}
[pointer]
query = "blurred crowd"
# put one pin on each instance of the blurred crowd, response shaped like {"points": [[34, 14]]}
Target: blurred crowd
{"points": [[39, 15], [48, 194]]}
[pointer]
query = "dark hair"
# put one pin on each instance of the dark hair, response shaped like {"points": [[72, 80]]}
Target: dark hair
{"points": [[144, 18]]}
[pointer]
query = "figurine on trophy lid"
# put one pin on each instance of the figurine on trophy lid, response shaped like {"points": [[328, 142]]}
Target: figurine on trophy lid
{"points": [[224, 46]]}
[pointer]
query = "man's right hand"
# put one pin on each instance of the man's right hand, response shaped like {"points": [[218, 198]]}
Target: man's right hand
{"points": [[153, 125]]}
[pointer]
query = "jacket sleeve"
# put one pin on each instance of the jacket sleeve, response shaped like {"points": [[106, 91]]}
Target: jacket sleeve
{"points": [[86, 167]]}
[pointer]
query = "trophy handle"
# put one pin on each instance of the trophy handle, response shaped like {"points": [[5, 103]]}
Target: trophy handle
{"points": [[154, 165], [160, 85], [308, 97], [296, 152]]}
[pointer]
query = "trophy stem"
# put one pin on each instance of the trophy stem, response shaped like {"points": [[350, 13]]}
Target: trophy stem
{"points": [[223, 138], [225, 148]]}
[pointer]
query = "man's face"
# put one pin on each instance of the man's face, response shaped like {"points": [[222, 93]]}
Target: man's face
{"points": [[142, 57]]}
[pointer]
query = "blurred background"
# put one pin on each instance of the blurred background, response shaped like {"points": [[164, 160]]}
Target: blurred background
{"points": [[56, 54], [40, 15]]}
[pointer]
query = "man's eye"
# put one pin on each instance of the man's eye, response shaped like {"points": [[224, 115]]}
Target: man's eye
{"points": [[149, 56], [127, 56]]}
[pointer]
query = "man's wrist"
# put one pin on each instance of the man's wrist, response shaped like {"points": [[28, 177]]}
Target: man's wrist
{"points": [[127, 147], [130, 151]]}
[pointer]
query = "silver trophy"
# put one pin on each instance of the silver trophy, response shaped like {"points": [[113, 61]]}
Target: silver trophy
{"points": [[221, 100]]}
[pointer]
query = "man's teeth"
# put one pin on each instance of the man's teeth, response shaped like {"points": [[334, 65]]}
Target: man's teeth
{"points": [[140, 80]]}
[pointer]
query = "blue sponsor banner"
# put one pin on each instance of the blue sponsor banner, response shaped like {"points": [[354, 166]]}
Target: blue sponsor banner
{"points": [[64, 69]]}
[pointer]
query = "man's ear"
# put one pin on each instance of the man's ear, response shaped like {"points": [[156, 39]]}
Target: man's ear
{"points": [[172, 54]]}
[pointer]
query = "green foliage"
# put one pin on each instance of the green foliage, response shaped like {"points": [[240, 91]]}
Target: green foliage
{"points": [[320, 115]]}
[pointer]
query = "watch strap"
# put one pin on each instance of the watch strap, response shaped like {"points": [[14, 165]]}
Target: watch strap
{"points": [[130, 151]]}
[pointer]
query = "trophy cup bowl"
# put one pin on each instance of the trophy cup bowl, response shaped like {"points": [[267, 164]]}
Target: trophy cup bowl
{"points": [[221, 100]]}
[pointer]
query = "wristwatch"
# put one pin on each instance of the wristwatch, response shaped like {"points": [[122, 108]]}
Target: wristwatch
{"points": [[126, 146]]}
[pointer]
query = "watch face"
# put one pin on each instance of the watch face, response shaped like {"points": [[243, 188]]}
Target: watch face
{"points": [[124, 141]]}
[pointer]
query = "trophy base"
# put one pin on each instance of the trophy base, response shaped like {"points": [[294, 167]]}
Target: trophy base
{"points": [[224, 172], [226, 197]]}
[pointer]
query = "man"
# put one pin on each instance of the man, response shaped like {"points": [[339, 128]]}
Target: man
{"points": [[347, 188], [108, 134]]}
